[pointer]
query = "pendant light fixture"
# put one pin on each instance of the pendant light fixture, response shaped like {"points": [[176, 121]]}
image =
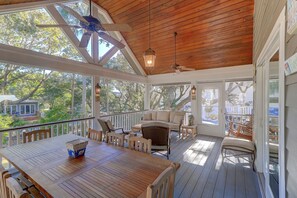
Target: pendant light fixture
{"points": [[149, 55]]}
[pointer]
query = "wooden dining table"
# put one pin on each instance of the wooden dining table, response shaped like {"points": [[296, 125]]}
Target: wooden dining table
{"points": [[104, 171]]}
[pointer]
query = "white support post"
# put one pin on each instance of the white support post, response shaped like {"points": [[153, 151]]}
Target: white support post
{"points": [[96, 104], [147, 96], [194, 103]]}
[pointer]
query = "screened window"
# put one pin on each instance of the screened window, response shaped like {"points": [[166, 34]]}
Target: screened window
{"points": [[121, 96], [171, 97]]}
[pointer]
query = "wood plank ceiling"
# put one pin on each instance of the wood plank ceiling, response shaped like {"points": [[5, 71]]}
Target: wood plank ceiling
{"points": [[211, 33]]}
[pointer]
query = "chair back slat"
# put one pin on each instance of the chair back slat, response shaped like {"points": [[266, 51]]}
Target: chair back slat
{"points": [[36, 135], [3, 175], [140, 144], [115, 139], [14, 189], [163, 186], [94, 135]]}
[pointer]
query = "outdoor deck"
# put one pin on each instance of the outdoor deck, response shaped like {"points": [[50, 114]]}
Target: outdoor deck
{"points": [[202, 173]]}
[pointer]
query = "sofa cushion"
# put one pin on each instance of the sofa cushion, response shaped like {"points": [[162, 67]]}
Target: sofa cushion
{"points": [[177, 119], [154, 115], [176, 113], [163, 116], [171, 117], [147, 116], [238, 144]]}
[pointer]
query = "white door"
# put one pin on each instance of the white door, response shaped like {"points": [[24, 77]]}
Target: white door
{"points": [[210, 111]]}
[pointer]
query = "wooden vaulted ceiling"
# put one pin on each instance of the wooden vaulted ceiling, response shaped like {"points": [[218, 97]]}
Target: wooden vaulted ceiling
{"points": [[211, 33]]}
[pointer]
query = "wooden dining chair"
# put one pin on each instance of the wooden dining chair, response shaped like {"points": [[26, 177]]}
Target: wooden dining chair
{"points": [[95, 135], [140, 144], [3, 176], [115, 139], [163, 186], [14, 190], [36, 135], [159, 133]]}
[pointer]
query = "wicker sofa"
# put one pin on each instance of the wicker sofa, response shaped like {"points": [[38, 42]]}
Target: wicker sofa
{"points": [[174, 119]]}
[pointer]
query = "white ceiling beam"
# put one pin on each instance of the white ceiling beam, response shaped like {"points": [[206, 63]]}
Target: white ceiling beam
{"points": [[95, 39], [24, 57], [31, 5], [132, 60], [206, 75], [108, 55], [69, 33]]}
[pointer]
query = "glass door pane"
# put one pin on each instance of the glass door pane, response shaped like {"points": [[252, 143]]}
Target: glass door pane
{"points": [[210, 106]]}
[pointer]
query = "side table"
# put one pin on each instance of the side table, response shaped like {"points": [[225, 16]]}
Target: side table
{"points": [[186, 130]]}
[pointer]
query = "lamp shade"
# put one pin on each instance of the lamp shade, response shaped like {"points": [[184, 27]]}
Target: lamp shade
{"points": [[193, 90], [149, 57], [97, 89]]}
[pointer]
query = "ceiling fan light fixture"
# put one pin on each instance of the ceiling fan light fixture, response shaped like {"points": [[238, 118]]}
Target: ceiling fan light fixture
{"points": [[149, 57]]}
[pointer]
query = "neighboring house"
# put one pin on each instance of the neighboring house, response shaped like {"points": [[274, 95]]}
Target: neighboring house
{"points": [[22, 109]]}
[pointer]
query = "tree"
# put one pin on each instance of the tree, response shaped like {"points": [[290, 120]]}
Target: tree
{"points": [[121, 96], [173, 97]]}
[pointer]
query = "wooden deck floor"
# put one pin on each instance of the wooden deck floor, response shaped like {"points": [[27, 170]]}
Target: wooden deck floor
{"points": [[203, 172]]}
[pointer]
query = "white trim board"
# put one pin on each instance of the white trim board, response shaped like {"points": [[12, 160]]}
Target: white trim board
{"points": [[207, 75], [276, 41], [30, 5], [29, 58]]}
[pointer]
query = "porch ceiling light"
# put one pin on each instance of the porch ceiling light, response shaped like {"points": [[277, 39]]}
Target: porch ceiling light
{"points": [[193, 90], [149, 55], [97, 92]]}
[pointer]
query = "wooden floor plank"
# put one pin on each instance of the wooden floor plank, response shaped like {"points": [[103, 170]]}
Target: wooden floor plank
{"points": [[207, 167], [204, 173]]}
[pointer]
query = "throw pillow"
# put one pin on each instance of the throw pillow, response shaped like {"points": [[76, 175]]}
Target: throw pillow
{"points": [[172, 114], [177, 119], [163, 116], [147, 116], [154, 115]]}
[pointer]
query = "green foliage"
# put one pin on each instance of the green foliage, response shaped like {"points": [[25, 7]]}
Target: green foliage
{"points": [[5, 121], [18, 122], [19, 29], [56, 113], [119, 62]]}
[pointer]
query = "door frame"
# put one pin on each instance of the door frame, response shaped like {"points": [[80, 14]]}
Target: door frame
{"points": [[276, 41]]}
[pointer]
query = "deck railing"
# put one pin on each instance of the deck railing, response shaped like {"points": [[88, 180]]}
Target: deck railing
{"points": [[236, 118], [125, 120], [14, 136], [129, 119]]}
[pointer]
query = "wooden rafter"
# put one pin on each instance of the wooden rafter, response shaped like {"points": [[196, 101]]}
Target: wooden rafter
{"points": [[69, 33], [105, 58]]}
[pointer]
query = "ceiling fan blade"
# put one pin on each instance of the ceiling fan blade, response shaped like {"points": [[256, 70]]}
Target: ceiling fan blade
{"points": [[85, 39], [117, 27], [61, 25], [73, 13], [110, 39]]}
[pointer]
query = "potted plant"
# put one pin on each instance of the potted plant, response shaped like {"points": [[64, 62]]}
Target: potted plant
{"points": [[191, 120]]}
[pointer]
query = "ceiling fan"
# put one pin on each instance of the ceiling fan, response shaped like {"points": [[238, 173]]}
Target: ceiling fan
{"points": [[179, 68], [91, 24]]}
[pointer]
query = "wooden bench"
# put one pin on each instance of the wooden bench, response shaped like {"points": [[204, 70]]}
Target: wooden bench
{"points": [[241, 145]]}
